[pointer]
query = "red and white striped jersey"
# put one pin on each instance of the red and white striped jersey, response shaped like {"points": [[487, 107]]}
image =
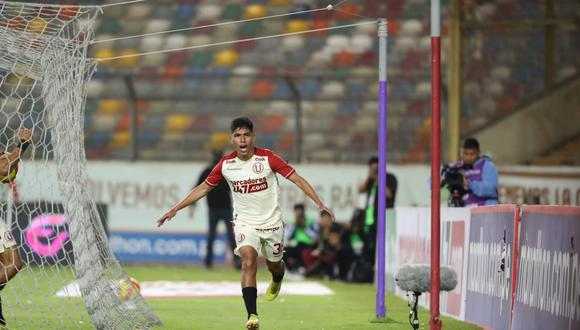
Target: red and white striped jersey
{"points": [[254, 186]]}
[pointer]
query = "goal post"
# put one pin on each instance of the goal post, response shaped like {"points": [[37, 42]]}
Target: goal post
{"points": [[44, 71]]}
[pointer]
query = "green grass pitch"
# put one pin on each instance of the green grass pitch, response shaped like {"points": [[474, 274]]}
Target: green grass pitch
{"points": [[351, 307]]}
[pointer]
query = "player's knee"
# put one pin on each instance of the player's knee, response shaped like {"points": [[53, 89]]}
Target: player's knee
{"points": [[249, 263]]}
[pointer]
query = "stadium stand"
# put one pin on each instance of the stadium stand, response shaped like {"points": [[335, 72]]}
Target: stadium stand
{"points": [[186, 96]]}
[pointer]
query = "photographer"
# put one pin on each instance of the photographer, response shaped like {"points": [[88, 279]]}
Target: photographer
{"points": [[473, 180], [370, 187]]}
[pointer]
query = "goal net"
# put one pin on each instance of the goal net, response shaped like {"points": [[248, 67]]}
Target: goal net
{"points": [[48, 207]]}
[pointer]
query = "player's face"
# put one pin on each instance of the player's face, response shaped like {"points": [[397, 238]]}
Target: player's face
{"points": [[469, 156], [243, 141]]}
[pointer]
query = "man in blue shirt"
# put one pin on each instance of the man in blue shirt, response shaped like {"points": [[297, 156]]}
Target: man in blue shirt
{"points": [[480, 178]]}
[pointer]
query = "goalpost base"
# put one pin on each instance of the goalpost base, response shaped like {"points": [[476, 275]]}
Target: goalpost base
{"points": [[377, 319]]}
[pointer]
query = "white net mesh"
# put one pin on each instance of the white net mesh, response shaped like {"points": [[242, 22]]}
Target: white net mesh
{"points": [[56, 223]]}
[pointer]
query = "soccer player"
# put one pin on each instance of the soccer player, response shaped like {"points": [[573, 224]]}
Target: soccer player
{"points": [[258, 226], [10, 262]]}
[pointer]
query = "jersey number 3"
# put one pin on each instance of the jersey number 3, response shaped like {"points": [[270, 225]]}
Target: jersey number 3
{"points": [[278, 247]]}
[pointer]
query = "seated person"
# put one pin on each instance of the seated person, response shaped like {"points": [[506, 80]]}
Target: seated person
{"points": [[302, 236]]}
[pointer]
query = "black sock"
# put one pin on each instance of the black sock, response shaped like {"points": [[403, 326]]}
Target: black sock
{"points": [[2, 321], [250, 295], [277, 278]]}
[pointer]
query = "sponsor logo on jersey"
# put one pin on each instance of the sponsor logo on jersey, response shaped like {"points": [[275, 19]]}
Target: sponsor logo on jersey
{"points": [[260, 159], [231, 161], [250, 185], [258, 168], [267, 230]]}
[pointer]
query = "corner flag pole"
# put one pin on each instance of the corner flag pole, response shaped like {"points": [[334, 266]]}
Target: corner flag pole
{"points": [[435, 323], [381, 311]]}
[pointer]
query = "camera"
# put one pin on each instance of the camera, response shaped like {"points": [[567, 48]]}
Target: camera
{"points": [[452, 179]]}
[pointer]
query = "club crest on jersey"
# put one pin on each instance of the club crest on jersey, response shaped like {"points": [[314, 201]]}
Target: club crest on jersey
{"points": [[258, 168], [241, 238]]}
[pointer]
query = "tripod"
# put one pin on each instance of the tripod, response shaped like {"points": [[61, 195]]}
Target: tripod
{"points": [[413, 313]]}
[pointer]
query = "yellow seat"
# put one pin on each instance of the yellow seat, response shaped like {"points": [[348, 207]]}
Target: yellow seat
{"points": [[225, 58], [218, 141], [110, 107], [177, 123], [254, 11], [296, 25], [128, 62], [105, 53], [37, 25], [120, 140]]}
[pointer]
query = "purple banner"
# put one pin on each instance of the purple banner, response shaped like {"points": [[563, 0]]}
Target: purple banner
{"points": [[491, 237], [548, 284]]}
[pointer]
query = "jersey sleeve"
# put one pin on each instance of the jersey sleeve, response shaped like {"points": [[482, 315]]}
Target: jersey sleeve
{"points": [[215, 176], [279, 165]]}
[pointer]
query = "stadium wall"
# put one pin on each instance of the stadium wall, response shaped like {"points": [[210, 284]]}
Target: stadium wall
{"points": [[136, 194], [518, 266], [412, 245]]}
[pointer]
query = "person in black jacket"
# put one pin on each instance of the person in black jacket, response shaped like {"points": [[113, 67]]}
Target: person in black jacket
{"points": [[370, 188], [219, 204]]}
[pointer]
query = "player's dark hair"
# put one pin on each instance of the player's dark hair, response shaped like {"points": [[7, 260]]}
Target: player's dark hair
{"points": [[323, 213], [471, 143], [373, 160], [242, 122], [299, 206]]}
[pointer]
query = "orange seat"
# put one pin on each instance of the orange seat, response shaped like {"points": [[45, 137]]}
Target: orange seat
{"points": [[320, 24], [345, 59], [262, 89], [346, 12], [273, 124]]}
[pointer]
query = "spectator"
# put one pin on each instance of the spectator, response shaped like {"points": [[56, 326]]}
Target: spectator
{"points": [[219, 204], [360, 269], [302, 236], [480, 178], [369, 186], [321, 260]]}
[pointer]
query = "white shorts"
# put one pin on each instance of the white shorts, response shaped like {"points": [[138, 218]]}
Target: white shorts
{"points": [[6, 238], [268, 242]]}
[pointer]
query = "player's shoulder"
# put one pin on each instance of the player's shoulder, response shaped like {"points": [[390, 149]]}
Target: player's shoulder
{"points": [[263, 152], [230, 156]]}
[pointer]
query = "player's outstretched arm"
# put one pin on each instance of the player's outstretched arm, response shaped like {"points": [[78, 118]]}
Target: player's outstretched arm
{"points": [[196, 194], [309, 191], [10, 159]]}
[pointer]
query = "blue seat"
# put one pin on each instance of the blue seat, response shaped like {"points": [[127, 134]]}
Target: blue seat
{"points": [[300, 8], [268, 141], [148, 139], [282, 90], [348, 108], [309, 88], [99, 139], [356, 89], [186, 10]]}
